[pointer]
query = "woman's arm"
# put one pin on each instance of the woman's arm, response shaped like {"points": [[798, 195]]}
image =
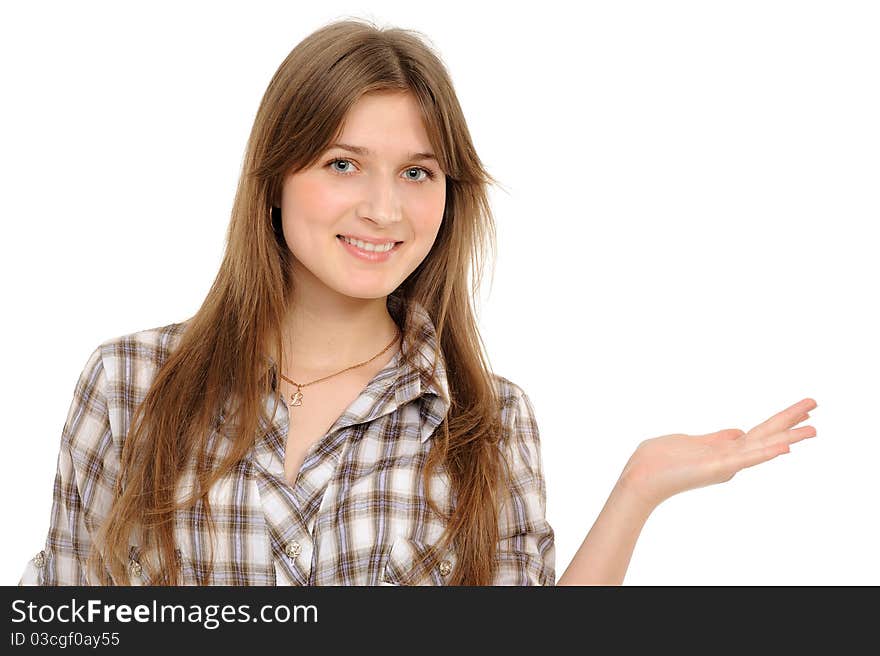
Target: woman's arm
{"points": [[604, 555], [526, 553], [84, 482], [664, 466]]}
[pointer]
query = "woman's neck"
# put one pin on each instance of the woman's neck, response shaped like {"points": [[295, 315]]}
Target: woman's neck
{"points": [[323, 338]]}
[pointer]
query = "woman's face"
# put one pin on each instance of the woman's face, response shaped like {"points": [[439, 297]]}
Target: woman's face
{"points": [[387, 188]]}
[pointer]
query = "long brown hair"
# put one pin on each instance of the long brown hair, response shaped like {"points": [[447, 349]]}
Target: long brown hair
{"points": [[222, 352]]}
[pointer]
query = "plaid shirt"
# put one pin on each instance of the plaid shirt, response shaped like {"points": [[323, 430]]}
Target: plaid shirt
{"points": [[357, 514]]}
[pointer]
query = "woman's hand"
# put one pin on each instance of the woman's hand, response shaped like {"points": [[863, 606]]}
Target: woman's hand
{"points": [[664, 466]]}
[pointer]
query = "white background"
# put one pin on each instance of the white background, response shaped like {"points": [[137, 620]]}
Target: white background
{"points": [[687, 239]]}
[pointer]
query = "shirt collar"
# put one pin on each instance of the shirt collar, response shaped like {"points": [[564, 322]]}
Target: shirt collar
{"points": [[415, 380]]}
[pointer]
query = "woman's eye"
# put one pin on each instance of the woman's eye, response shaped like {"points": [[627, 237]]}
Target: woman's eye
{"points": [[418, 170], [341, 170], [339, 161]]}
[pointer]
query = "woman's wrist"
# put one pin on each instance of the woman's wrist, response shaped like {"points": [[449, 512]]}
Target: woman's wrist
{"points": [[628, 493]]}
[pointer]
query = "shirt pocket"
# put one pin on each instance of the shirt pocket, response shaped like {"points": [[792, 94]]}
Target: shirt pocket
{"points": [[141, 567], [400, 566]]}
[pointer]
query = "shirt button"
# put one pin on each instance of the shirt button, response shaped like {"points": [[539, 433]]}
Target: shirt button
{"points": [[293, 549], [134, 569], [40, 559], [445, 568]]}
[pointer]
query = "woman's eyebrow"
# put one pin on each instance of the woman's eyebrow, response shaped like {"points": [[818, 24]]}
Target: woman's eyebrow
{"points": [[360, 150]]}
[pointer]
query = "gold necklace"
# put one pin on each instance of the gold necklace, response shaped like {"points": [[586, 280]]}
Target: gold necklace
{"points": [[296, 399]]}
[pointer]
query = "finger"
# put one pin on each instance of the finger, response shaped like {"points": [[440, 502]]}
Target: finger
{"points": [[784, 438], [753, 457], [797, 434], [782, 420]]}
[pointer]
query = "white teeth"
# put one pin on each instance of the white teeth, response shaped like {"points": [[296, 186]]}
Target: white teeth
{"points": [[373, 248]]}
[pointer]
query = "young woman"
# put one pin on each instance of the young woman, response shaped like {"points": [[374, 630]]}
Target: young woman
{"points": [[328, 416]]}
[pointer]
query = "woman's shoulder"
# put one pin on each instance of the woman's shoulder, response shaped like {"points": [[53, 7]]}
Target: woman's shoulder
{"points": [[117, 376], [520, 443], [144, 342], [147, 348], [115, 379], [517, 410], [510, 394]]}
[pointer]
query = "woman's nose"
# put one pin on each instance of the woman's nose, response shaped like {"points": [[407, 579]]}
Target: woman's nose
{"points": [[383, 200]]}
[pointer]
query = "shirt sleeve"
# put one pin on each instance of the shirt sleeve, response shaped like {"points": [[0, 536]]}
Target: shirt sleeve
{"points": [[526, 551], [84, 480]]}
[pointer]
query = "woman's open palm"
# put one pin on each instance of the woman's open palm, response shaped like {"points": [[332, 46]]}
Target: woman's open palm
{"points": [[664, 466]]}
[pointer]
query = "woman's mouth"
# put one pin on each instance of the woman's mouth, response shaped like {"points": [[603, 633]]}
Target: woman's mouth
{"points": [[369, 252]]}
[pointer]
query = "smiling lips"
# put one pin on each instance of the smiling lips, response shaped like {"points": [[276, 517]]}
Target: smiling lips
{"points": [[369, 251], [370, 240], [363, 244]]}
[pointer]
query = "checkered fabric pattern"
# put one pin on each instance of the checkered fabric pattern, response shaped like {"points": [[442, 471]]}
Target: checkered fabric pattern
{"points": [[357, 514]]}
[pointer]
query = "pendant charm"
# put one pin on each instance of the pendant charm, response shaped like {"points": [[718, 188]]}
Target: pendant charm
{"points": [[296, 398]]}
